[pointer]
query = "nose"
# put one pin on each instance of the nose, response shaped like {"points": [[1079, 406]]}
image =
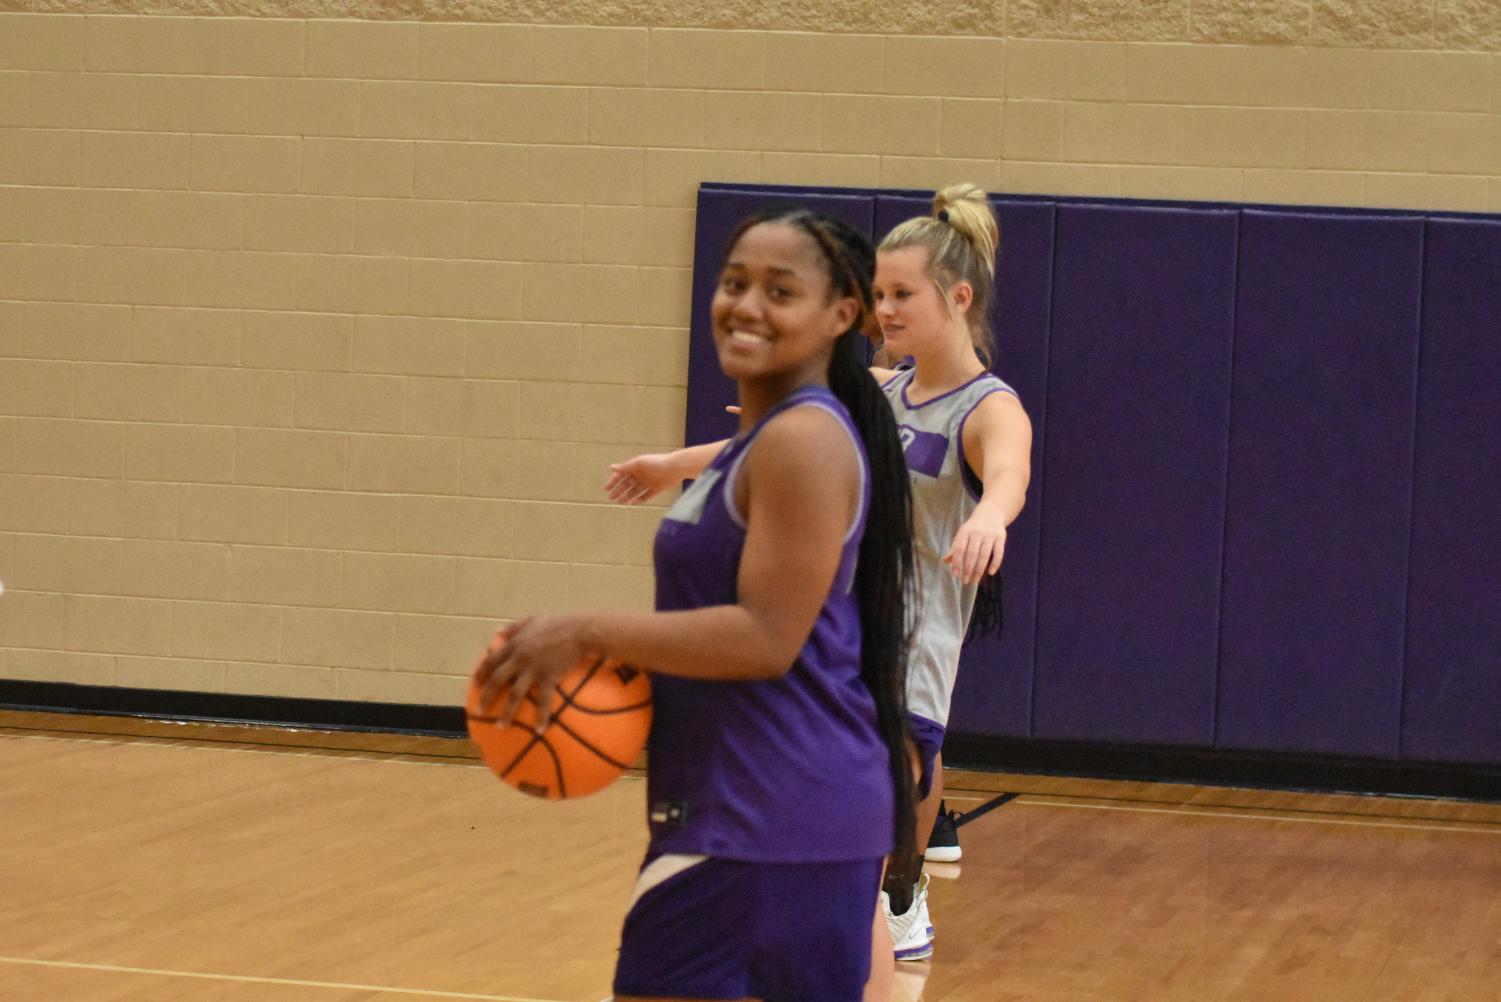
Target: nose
{"points": [[884, 309], [747, 305]]}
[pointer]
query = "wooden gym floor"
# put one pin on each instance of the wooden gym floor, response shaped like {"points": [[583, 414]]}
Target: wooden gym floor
{"points": [[157, 861]]}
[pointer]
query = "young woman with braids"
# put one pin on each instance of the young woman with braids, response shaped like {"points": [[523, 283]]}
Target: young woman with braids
{"points": [[967, 444], [778, 779]]}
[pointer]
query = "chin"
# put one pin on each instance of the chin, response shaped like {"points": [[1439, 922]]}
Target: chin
{"points": [[734, 366]]}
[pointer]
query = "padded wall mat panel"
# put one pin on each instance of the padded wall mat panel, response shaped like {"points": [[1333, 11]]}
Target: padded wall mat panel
{"points": [[1319, 484], [1452, 697], [1133, 493]]}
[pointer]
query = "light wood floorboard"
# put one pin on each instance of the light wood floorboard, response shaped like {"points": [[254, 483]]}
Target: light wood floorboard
{"points": [[145, 860]]}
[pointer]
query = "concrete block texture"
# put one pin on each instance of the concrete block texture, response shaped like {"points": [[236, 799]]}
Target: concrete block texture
{"points": [[320, 320]]}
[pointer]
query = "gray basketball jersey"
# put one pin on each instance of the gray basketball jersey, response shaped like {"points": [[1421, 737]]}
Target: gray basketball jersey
{"points": [[944, 495]]}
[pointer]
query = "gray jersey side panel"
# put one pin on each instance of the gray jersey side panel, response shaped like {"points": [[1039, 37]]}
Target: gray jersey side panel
{"points": [[940, 505]]}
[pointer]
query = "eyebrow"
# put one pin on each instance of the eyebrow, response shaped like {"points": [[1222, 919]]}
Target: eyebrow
{"points": [[775, 270]]}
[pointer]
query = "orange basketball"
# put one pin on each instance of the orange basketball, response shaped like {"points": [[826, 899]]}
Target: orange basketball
{"points": [[601, 714]]}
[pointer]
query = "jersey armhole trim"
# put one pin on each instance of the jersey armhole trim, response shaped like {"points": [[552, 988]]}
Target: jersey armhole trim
{"points": [[972, 482], [732, 476]]}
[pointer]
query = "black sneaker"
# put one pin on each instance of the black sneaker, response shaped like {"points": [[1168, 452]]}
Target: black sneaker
{"points": [[943, 844]]}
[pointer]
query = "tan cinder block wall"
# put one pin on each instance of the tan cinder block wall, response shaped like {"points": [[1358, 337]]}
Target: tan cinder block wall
{"points": [[316, 335]]}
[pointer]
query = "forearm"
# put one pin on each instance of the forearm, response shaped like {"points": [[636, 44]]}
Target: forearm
{"points": [[689, 461], [1004, 495], [724, 642]]}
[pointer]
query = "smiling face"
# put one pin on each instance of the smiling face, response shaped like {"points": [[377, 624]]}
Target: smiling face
{"points": [[775, 316], [914, 314]]}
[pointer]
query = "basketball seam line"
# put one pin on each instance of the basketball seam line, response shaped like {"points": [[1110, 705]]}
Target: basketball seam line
{"points": [[587, 710], [557, 765], [581, 740]]}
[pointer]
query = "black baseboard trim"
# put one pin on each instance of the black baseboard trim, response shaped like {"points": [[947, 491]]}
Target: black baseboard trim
{"points": [[229, 708], [961, 751], [1207, 767]]}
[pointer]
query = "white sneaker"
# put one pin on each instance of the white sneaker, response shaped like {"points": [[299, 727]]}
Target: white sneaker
{"points": [[920, 901], [911, 931]]}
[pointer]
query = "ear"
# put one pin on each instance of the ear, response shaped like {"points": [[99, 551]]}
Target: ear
{"points": [[962, 295], [846, 310]]}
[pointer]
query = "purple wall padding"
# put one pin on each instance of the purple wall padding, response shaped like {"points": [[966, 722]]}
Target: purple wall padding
{"points": [[1318, 505], [719, 212], [994, 693], [1133, 491], [1452, 698], [1264, 473]]}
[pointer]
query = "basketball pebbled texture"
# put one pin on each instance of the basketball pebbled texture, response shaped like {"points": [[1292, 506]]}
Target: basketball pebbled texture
{"points": [[601, 716]]}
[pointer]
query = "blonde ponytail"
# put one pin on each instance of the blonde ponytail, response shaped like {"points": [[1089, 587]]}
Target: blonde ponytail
{"points": [[962, 237], [966, 209]]}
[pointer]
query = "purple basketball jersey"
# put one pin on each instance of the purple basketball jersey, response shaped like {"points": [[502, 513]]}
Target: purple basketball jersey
{"points": [[787, 770]]}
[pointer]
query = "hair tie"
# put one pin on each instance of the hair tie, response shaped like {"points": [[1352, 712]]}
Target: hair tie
{"points": [[943, 215]]}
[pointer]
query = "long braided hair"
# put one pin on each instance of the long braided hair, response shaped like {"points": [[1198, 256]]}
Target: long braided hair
{"points": [[884, 575]]}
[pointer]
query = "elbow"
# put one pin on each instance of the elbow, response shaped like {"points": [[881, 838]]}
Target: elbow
{"points": [[764, 645], [767, 661], [767, 668]]}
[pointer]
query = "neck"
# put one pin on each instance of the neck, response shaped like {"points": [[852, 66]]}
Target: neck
{"points": [[952, 364], [758, 398]]}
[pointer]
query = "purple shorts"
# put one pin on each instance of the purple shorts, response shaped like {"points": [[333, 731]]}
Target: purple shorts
{"points": [[928, 737], [710, 928]]}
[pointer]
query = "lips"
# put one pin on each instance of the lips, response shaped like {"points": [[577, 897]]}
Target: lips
{"points": [[747, 338]]}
